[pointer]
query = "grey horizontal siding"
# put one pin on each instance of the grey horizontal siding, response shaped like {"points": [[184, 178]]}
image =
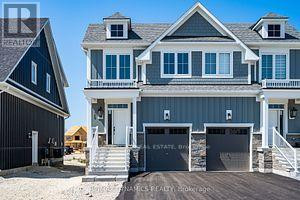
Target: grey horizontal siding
{"points": [[295, 64], [240, 72], [96, 64], [198, 110], [196, 25]]}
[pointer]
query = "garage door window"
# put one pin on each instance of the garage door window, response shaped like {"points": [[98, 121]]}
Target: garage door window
{"points": [[178, 131], [156, 131]]}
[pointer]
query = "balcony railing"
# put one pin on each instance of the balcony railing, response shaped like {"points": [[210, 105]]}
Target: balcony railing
{"points": [[290, 83], [99, 83]]}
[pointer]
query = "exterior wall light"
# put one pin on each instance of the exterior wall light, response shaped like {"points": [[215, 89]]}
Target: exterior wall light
{"points": [[167, 115], [100, 112], [228, 114], [293, 113]]}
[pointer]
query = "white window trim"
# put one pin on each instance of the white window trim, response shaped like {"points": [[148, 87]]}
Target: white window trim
{"points": [[176, 75], [274, 23], [217, 75], [273, 54], [118, 66], [33, 64], [48, 83], [125, 29], [264, 31]]}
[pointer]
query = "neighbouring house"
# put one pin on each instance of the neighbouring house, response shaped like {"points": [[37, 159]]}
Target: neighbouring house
{"points": [[33, 104], [75, 137], [194, 95]]}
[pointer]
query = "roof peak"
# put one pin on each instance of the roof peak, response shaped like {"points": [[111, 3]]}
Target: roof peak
{"points": [[117, 15], [272, 15]]}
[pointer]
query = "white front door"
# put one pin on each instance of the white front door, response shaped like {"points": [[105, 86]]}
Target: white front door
{"points": [[274, 121], [35, 145], [121, 119]]}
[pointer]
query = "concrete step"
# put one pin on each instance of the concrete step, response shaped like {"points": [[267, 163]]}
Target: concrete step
{"points": [[110, 159], [105, 155], [109, 165], [96, 178], [107, 168], [112, 173]]}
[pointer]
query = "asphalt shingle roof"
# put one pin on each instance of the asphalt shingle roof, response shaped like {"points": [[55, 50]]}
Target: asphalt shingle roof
{"points": [[196, 39], [117, 15], [243, 32], [139, 33], [271, 15], [9, 56], [148, 33]]}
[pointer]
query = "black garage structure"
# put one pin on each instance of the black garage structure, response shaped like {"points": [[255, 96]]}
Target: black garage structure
{"points": [[167, 149], [228, 149]]}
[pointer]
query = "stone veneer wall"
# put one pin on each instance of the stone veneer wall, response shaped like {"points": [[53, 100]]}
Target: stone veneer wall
{"points": [[256, 143], [265, 159], [198, 152], [141, 145]]}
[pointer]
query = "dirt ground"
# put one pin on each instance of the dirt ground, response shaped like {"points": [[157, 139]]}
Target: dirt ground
{"points": [[56, 183]]}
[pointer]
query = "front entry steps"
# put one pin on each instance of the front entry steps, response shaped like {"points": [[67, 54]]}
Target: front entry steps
{"points": [[282, 167], [110, 163]]}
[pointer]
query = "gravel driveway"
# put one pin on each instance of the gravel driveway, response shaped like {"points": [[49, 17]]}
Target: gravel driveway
{"points": [[55, 184]]}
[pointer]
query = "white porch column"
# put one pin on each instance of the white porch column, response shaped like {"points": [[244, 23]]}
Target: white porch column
{"points": [[265, 122], [134, 122], [89, 121]]}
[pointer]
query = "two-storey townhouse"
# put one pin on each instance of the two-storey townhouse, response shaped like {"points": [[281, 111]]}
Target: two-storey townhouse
{"points": [[33, 104], [194, 95]]}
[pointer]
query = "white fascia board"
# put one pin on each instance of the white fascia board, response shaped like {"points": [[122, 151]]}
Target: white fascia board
{"points": [[202, 93], [274, 44], [99, 45], [249, 54], [111, 93], [280, 93]]}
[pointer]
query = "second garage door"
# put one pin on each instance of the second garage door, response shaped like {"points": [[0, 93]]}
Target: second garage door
{"points": [[227, 149], [167, 149]]}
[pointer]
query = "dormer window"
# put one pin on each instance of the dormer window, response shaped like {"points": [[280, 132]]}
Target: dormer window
{"points": [[117, 30], [117, 26], [274, 30]]}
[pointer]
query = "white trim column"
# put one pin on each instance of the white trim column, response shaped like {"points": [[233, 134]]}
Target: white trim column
{"points": [[134, 121], [265, 123], [89, 121]]}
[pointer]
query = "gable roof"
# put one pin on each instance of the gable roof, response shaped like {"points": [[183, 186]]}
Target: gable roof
{"points": [[139, 33], [249, 54], [74, 129], [272, 15], [11, 56], [116, 15]]}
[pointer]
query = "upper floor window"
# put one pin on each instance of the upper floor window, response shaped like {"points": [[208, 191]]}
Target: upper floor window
{"points": [[217, 65], [274, 30], [116, 30], [274, 66], [77, 137], [175, 65], [48, 82], [117, 66], [111, 67], [33, 72]]}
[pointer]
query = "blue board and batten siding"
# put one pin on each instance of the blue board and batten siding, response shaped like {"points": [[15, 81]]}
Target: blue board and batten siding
{"points": [[198, 110], [18, 118], [22, 74], [240, 71]]}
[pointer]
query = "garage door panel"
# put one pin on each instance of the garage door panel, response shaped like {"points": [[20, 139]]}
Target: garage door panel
{"points": [[167, 151], [228, 152]]}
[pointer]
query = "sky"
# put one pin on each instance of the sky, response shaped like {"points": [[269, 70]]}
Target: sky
{"points": [[69, 20]]}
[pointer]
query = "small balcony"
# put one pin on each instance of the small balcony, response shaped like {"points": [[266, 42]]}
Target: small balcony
{"points": [[290, 83], [100, 83]]}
